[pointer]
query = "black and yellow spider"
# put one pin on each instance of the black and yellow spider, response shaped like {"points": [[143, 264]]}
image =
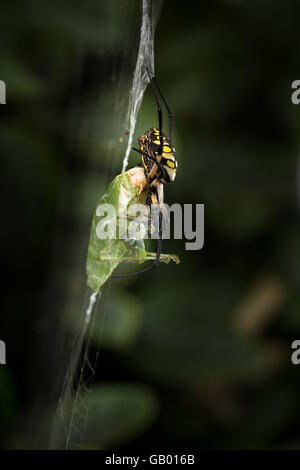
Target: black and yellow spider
{"points": [[159, 162]]}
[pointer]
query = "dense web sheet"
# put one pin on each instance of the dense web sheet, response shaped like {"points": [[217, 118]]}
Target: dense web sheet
{"points": [[140, 79], [68, 431]]}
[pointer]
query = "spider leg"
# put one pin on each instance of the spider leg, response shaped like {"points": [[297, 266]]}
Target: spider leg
{"points": [[148, 200], [163, 171], [159, 111], [170, 114]]}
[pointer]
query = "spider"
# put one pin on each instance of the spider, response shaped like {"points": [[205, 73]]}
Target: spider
{"points": [[159, 163]]}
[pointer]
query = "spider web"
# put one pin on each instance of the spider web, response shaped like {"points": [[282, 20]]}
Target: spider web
{"points": [[68, 431]]}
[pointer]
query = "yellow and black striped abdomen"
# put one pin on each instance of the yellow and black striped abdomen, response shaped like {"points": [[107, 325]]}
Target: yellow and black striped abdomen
{"points": [[150, 145]]}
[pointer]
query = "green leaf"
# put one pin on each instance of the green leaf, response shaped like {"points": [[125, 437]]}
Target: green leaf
{"points": [[104, 255]]}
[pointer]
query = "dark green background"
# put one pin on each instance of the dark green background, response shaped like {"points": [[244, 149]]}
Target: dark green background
{"points": [[192, 355]]}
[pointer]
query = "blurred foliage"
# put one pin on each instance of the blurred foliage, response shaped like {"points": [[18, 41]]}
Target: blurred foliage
{"points": [[191, 355], [117, 413]]}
